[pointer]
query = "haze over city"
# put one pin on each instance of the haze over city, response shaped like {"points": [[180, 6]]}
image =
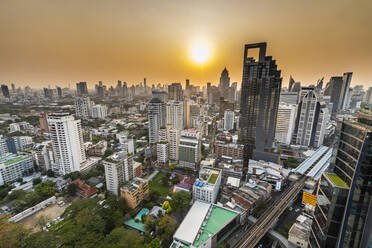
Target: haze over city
{"points": [[64, 42]]}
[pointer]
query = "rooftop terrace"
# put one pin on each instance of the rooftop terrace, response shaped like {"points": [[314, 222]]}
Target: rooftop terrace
{"points": [[337, 180], [10, 158]]}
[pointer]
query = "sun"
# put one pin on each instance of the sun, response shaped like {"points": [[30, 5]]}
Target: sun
{"points": [[200, 53]]}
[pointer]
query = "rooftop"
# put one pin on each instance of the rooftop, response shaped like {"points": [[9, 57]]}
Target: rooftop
{"points": [[10, 158], [202, 222], [337, 180]]}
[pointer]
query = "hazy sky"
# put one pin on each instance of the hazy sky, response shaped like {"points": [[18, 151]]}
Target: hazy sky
{"points": [[58, 42]]}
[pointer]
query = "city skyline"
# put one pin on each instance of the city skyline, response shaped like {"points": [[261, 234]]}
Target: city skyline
{"points": [[55, 43]]}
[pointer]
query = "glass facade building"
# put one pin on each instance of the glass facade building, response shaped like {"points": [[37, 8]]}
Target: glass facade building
{"points": [[352, 166]]}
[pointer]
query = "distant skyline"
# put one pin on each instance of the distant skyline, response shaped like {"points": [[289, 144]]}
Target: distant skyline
{"points": [[63, 42]]}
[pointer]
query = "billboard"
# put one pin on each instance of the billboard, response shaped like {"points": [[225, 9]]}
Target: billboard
{"points": [[308, 198]]}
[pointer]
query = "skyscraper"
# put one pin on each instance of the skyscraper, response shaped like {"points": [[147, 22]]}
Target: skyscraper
{"points": [[81, 88], [260, 93], [83, 107], [67, 140], [175, 92], [285, 122], [175, 114], [228, 120], [343, 212], [312, 118], [338, 89], [5, 90], [156, 112], [224, 82], [173, 141]]}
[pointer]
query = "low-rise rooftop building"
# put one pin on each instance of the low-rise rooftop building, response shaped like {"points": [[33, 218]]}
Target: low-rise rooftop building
{"points": [[13, 166], [134, 192], [207, 185]]}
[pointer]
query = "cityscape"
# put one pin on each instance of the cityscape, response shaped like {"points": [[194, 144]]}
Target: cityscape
{"points": [[236, 154]]}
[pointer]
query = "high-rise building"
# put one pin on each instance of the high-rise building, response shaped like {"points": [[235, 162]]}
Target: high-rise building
{"points": [[161, 95], [118, 170], [175, 114], [260, 93], [99, 111], [338, 89], [189, 149], [343, 214], [368, 97], [173, 142], [156, 112], [83, 107], [82, 89], [59, 92], [175, 92], [43, 155], [67, 140], [291, 83], [48, 93], [5, 90], [285, 122], [312, 118], [162, 148], [228, 120], [224, 82], [43, 120], [289, 97]]}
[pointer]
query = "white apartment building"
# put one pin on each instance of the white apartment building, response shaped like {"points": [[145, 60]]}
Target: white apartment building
{"points": [[126, 142], [99, 111], [228, 120], [162, 147], [43, 155], [207, 185], [285, 122], [173, 143], [14, 127], [13, 166], [175, 114], [67, 140], [83, 107], [118, 170]]}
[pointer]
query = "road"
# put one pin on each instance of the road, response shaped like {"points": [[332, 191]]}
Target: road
{"points": [[267, 219]]}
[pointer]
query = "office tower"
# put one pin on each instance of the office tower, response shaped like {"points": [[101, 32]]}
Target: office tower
{"points": [[48, 93], [288, 97], [189, 151], [59, 92], [312, 118], [161, 95], [338, 89], [296, 87], [43, 120], [83, 107], [368, 97], [162, 147], [100, 91], [175, 114], [285, 122], [291, 83], [99, 111], [175, 92], [225, 105], [228, 120], [82, 89], [67, 139], [232, 92], [144, 84], [13, 88], [118, 170], [5, 90], [224, 82], [343, 214], [173, 142], [156, 112], [260, 93]]}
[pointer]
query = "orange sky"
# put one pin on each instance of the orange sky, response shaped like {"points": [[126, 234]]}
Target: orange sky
{"points": [[60, 42]]}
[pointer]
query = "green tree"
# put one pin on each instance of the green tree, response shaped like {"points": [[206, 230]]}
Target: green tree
{"points": [[166, 227], [71, 189], [50, 173], [107, 153], [11, 235], [36, 181], [123, 238], [155, 243], [180, 200]]}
